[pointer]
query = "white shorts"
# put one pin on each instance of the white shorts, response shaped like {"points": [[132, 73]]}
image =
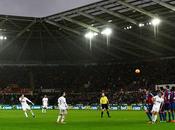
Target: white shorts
{"points": [[45, 106], [26, 107], [155, 108], [63, 111]]}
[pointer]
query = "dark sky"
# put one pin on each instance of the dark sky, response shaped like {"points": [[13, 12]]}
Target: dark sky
{"points": [[39, 8]]}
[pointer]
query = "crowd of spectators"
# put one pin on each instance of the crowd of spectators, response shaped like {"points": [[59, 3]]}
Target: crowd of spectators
{"points": [[84, 83]]}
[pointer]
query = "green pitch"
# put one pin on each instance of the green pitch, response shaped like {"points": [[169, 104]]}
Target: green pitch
{"points": [[79, 120]]}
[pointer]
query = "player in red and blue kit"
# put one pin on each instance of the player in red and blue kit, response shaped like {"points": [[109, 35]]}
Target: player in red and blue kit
{"points": [[162, 112], [173, 103], [149, 104], [167, 101]]}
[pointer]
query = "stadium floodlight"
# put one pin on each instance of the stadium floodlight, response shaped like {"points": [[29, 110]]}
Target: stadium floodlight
{"points": [[107, 31], [141, 25], [155, 21], [90, 35], [110, 21], [1, 37], [128, 27]]}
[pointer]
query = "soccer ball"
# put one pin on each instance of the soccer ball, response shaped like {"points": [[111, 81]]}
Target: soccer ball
{"points": [[137, 71]]}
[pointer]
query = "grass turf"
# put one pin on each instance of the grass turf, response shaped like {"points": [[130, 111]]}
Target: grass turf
{"points": [[79, 120]]}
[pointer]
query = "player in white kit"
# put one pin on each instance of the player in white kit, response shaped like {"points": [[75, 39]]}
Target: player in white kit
{"points": [[45, 104], [25, 106], [158, 100], [62, 105]]}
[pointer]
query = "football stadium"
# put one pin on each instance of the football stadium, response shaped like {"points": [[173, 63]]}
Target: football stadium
{"points": [[87, 64]]}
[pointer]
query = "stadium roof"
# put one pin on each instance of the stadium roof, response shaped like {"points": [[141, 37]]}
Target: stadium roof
{"points": [[39, 8], [59, 38]]}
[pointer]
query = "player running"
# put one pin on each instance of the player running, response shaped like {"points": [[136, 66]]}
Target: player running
{"points": [[25, 106], [167, 104], [45, 104], [157, 100], [104, 105], [173, 103], [62, 105]]}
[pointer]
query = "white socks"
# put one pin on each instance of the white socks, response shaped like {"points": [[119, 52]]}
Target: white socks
{"points": [[154, 118], [62, 120], [32, 113], [26, 114], [58, 119], [43, 110]]}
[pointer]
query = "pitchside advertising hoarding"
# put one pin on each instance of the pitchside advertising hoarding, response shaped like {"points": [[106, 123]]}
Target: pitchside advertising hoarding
{"points": [[123, 107]]}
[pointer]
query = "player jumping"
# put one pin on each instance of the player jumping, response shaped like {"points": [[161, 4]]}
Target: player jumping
{"points": [[62, 105], [157, 100], [45, 104], [25, 105], [104, 105]]}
